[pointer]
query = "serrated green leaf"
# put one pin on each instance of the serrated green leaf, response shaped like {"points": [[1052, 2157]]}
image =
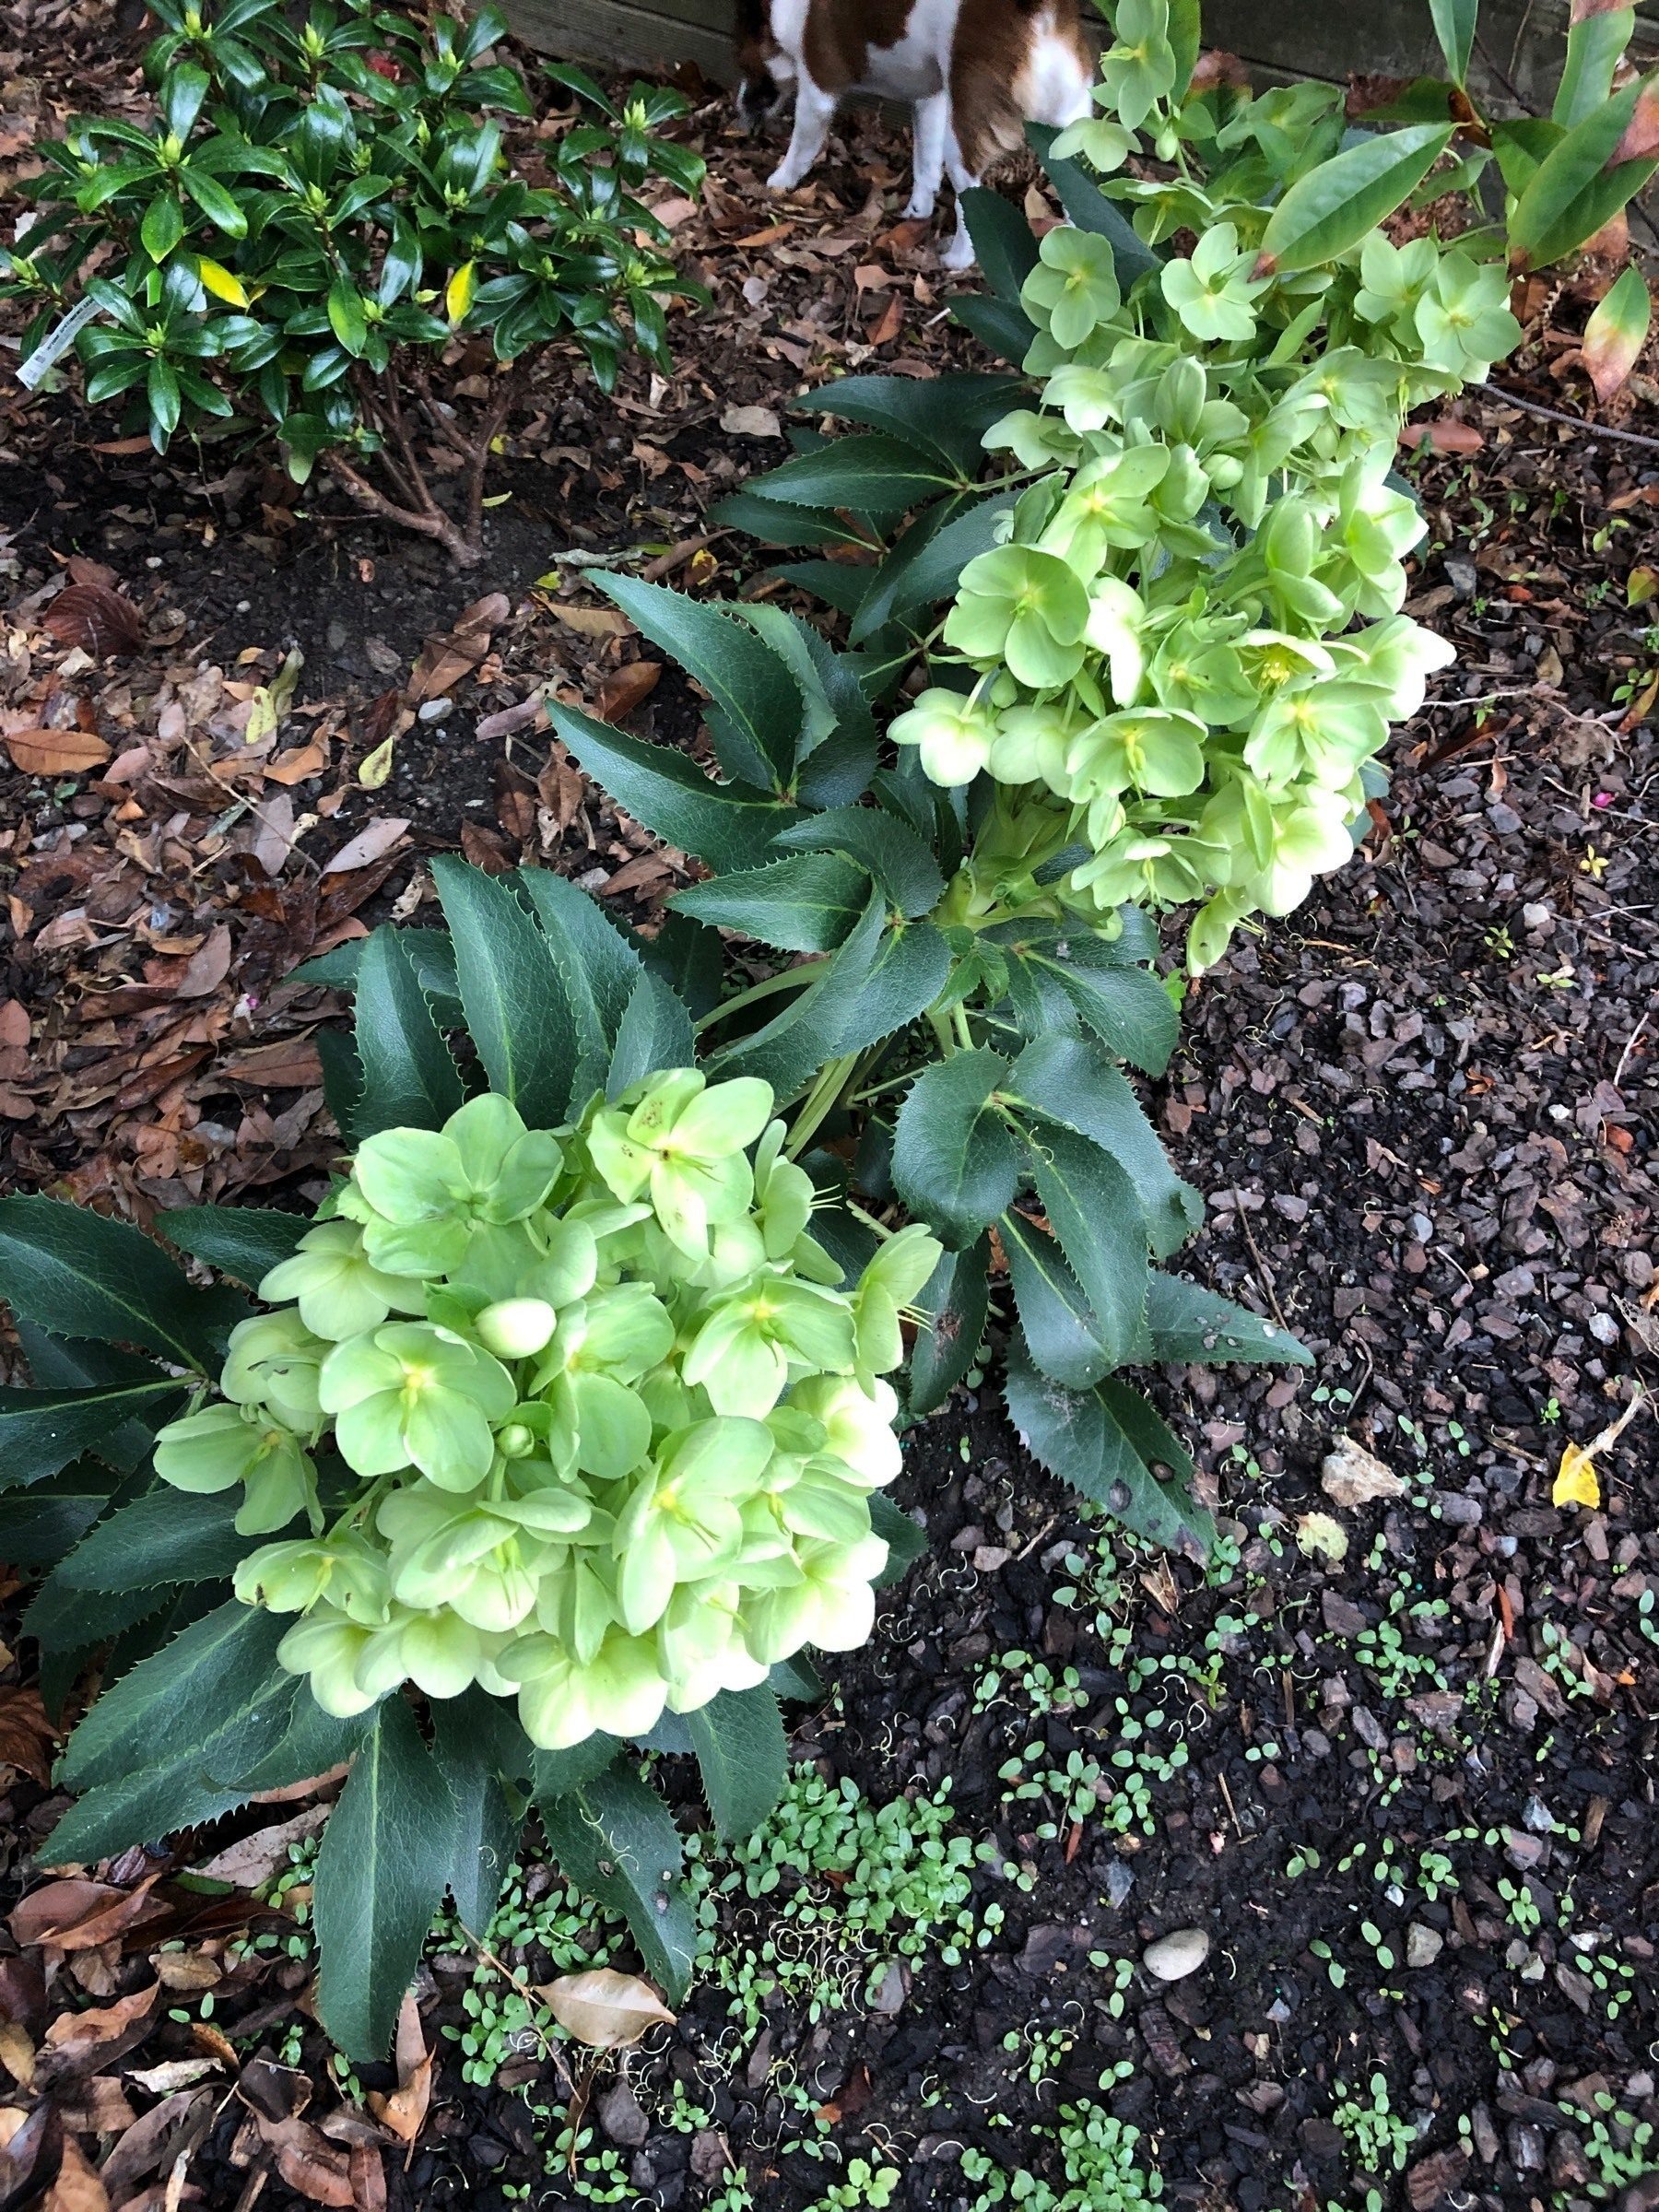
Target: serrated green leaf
{"points": [[1072, 1079], [944, 416], [809, 903], [1004, 242], [179, 1697], [1093, 1210], [516, 1011], [891, 854], [868, 472], [1054, 1313], [64, 1622], [1007, 331], [43, 1430], [615, 1838], [655, 1032], [36, 1531], [596, 964], [758, 695], [954, 1161], [728, 827], [904, 1540], [1080, 1435], [313, 1742], [1186, 1321], [80, 1273], [924, 566], [385, 1859], [553, 1774], [473, 1745], [738, 1739], [410, 1080], [956, 1297], [1127, 1008], [167, 1536], [243, 1241]]}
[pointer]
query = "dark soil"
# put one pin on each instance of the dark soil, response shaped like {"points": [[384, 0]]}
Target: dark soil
{"points": [[1422, 1109]]}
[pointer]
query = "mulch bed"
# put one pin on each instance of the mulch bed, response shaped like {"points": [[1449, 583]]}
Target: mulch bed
{"points": [[1422, 1109]]}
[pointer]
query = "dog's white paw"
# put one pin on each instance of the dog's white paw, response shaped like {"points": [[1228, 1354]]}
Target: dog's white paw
{"points": [[959, 253], [919, 207], [782, 179]]}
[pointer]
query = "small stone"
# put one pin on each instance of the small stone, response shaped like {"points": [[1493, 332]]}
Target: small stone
{"points": [[435, 709], [1120, 1881], [889, 1991], [1351, 1476], [1523, 1851], [1567, 2165], [709, 2158], [1369, 1729], [1315, 1743], [1485, 2133], [1526, 2147], [1461, 575], [621, 2116], [1463, 1513], [1423, 1945], [989, 1557], [1049, 1949], [1643, 2195], [1173, 1957], [1432, 2178], [1341, 1615]]}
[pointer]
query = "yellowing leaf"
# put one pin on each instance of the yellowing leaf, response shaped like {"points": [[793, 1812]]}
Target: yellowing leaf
{"points": [[1616, 333], [459, 292], [221, 284], [603, 2008], [1641, 585], [1576, 1482], [377, 766], [1319, 1532]]}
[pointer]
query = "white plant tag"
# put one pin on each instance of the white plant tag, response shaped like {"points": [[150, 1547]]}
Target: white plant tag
{"points": [[56, 343]]}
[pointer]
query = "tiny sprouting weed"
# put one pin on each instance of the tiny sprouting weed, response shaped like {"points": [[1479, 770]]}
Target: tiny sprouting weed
{"points": [[1379, 2140]]}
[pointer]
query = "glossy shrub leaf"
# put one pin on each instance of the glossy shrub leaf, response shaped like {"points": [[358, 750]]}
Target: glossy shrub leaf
{"points": [[473, 1747], [893, 856], [516, 1012], [904, 1540], [759, 700], [597, 966], [384, 1862], [1454, 27], [1072, 1079], [809, 903], [1002, 241], [43, 1430], [1334, 206], [738, 1739], [243, 1242], [1578, 186], [616, 1838], [726, 825], [956, 1299], [1005, 331], [37, 1530], [1053, 1313], [554, 1773], [77, 1274], [431, 950], [870, 472], [655, 1032], [1186, 1321], [178, 1697], [167, 1536], [410, 1080], [1093, 1210], [954, 1161], [1596, 43], [1080, 1435], [1617, 331]]}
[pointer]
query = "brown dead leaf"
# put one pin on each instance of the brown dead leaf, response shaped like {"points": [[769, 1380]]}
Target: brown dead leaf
{"points": [[64, 1914], [254, 1859], [82, 568], [77, 2187], [603, 2008], [188, 1970], [559, 787], [368, 2177], [594, 621], [293, 1064], [24, 2139], [624, 688], [307, 2164], [79, 2043], [298, 764], [97, 2108], [373, 842], [208, 968], [485, 849], [148, 2143], [890, 325], [57, 752], [26, 1735], [1447, 436], [404, 2109], [17, 2054], [60, 1905], [101, 622]]}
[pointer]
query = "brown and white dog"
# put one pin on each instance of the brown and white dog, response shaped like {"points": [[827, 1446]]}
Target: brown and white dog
{"points": [[976, 72]]}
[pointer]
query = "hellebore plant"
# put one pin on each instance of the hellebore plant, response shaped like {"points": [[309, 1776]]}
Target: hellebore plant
{"points": [[318, 210]]}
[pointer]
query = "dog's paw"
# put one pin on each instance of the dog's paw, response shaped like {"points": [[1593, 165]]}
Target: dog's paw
{"points": [[959, 253], [919, 207], [782, 179]]}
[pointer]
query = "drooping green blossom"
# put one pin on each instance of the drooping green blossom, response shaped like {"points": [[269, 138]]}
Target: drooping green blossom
{"points": [[601, 1423]]}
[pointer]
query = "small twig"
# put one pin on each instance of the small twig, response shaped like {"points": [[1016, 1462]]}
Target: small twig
{"points": [[1630, 1046], [1573, 422], [437, 524], [1262, 1267], [1497, 70]]}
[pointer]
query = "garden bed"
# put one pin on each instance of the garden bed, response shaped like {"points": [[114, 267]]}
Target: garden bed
{"points": [[1405, 1795]]}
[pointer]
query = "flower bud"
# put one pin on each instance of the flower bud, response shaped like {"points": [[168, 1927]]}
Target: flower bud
{"points": [[515, 1442], [514, 1329]]}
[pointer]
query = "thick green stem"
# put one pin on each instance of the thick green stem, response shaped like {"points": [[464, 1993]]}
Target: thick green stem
{"points": [[790, 979], [831, 1081]]}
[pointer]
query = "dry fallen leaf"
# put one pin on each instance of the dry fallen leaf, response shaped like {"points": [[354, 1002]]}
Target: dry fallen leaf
{"points": [[753, 422], [404, 2109], [594, 621], [1576, 1482], [77, 2187], [1351, 1476], [254, 1859], [26, 1735], [373, 842], [16, 2053], [624, 689], [77, 2041], [99, 621], [307, 2164], [57, 752], [604, 2008], [1319, 1533]]}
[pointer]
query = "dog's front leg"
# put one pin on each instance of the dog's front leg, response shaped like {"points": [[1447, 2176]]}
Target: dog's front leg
{"points": [[813, 112], [927, 163], [959, 253]]}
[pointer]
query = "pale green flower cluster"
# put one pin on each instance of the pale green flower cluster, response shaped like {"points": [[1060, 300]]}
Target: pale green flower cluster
{"points": [[1190, 639], [580, 1416]]}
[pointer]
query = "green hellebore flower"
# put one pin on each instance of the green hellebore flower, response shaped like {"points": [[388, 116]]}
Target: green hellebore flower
{"points": [[686, 1140], [833, 1605], [1116, 616], [1138, 68], [1107, 506], [1030, 744], [892, 1280], [858, 1426], [1323, 731], [1397, 656], [222, 1445], [274, 1360], [1035, 441], [1148, 750], [1198, 674], [340, 1290], [410, 1394], [701, 1647], [328, 1648], [1394, 278], [440, 1653], [1088, 398], [562, 1700], [424, 1190], [345, 1569], [1463, 322], [683, 1524], [1024, 605], [1140, 869], [1104, 146], [784, 1195], [1213, 293], [1074, 287], [953, 732], [1307, 836], [742, 1351]]}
